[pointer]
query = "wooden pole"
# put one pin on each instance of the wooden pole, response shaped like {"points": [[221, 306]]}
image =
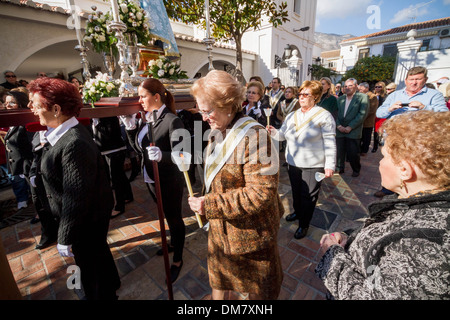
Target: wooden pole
{"points": [[151, 138]]}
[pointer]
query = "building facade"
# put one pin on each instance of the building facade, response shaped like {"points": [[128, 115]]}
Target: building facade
{"points": [[432, 53], [39, 36]]}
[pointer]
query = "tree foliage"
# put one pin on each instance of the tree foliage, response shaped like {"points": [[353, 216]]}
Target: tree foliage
{"points": [[319, 72], [229, 19], [372, 69]]}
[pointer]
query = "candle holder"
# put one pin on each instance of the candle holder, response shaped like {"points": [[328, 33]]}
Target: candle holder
{"points": [[84, 61], [183, 161], [126, 89], [268, 112], [209, 46]]}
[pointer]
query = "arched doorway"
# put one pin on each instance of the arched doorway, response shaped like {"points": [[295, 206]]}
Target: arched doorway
{"points": [[218, 65]]}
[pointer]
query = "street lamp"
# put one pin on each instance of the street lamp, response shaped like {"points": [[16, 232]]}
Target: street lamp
{"points": [[317, 62], [302, 29], [287, 54]]}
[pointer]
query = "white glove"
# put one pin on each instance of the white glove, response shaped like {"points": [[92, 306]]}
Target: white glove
{"points": [[129, 121], [154, 153], [22, 176], [257, 112], [32, 181], [64, 251]]}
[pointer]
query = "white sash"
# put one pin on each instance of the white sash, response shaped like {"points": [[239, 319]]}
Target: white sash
{"points": [[300, 127], [223, 150], [274, 100], [286, 110]]}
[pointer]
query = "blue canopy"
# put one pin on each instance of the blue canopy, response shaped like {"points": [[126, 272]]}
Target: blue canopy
{"points": [[160, 27]]}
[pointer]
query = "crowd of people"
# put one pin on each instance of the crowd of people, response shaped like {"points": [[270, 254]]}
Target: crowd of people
{"points": [[400, 252]]}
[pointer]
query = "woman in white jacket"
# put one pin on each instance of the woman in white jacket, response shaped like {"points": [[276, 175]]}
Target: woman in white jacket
{"points": [[311, 147]]}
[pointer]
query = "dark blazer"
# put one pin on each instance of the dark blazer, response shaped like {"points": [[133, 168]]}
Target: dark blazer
{"points": [[166, 124], [107, 134], [19, 153], [356, 114], [76, 184]]}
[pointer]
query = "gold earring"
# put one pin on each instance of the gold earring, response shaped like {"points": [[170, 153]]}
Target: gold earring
{"points": [[402, 184]]}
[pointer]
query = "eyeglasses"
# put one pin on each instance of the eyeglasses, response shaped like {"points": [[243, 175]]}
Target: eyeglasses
{"points": [[305, 95], [378, 87], [252, 92], [206, 113], [10, 76]]}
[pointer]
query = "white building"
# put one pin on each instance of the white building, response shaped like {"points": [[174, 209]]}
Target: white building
{"points": [[36, 37], [433, 52]]}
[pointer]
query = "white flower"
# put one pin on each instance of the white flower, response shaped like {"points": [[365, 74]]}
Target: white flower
{"points": [[171, 71], [159, 63], [109, 87], [161, 73], [124, 8], [92, 90], [101, 38], [139, 15]]}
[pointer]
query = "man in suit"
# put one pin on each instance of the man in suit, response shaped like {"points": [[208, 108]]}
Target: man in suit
{"points": [[352, 111], [369, 123], [276, 95]]}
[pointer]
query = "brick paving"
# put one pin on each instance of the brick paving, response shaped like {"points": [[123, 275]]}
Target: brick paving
{"points": [[134, 238]]}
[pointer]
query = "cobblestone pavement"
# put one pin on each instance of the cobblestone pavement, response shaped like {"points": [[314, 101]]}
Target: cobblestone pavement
{"points": [[134, 238]]}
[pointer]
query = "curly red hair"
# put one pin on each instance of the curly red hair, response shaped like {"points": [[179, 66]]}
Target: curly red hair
{"points": [[56, 91]]}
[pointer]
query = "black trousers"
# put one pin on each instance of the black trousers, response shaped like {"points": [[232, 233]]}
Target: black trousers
{"points": [[348, 148], [49, 224], [172, 197], [366, 138], [119, 180], [376, 140], [305, 192], [99, 275]]}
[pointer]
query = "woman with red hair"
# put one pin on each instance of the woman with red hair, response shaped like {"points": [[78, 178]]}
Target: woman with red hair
{"points": [[78, 191]]}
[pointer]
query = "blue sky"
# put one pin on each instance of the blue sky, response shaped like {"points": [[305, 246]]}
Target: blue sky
{"points": [[361, 17]]}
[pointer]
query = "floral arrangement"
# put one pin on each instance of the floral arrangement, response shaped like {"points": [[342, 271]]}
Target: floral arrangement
{"points": [[130, 13], [101, 86], [164, 68], [97, 32]]}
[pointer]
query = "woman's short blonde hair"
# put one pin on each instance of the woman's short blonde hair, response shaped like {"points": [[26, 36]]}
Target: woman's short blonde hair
{"points": [[315, 87], [220, 90], [422, 138]]}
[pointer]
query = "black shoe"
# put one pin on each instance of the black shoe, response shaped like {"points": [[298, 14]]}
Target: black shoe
{"points": [[116, 213], [45, 244], [35, 220], [355, 174], [300, 233], [160, 251], [175, 272], [374, 150], [292, 217]]}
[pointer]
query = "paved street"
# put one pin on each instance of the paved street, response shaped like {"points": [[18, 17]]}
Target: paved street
{"points": [[134, 239]]}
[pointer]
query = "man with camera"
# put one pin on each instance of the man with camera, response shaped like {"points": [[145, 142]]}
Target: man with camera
{"points": [[415, 96]]}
